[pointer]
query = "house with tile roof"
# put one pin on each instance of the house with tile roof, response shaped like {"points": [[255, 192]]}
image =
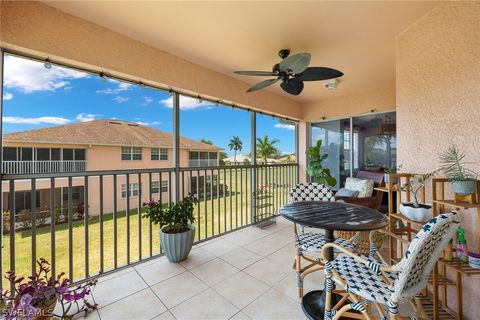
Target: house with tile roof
{"points": [[101, 145]]}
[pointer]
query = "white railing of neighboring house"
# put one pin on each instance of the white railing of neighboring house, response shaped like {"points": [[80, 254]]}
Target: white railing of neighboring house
{"points": [[22, 167], [203, 162]]}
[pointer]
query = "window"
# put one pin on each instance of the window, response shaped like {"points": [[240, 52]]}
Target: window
{"points": [[23, 200], [9, 154], [43, 154], [131, 153], [193, 155], [155, 187], [77, 194], [27, 154], [55, 154], [67, 154], [79, 154], [346, 140], [159, 154], [133, 190], [212, 156], [164, 185]]}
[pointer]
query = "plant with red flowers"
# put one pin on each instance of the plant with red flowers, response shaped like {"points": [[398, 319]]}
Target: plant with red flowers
{"points": [[35, 297], [173, 219]]}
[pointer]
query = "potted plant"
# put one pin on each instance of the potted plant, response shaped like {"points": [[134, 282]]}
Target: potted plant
{"points": [[315, 168], [414, 210], [35, 297], [453, 164], [176, 226], [392, 170]]}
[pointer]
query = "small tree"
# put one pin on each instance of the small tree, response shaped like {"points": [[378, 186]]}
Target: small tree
{"points": [[415, 185], [236, 145]]}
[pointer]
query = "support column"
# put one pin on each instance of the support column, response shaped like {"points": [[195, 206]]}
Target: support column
{"points": [[176, 146], [253, 157]]}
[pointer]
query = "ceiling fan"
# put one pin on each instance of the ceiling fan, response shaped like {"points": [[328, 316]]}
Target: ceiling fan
{"points": [[292, 71]]}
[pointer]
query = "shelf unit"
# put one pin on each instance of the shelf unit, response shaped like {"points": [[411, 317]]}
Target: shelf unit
{"points": [[441, 204], [436, 305]]}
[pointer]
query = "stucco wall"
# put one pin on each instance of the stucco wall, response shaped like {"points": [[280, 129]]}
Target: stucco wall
{"points": [[35, 28], [378, 99], [438, 102]]}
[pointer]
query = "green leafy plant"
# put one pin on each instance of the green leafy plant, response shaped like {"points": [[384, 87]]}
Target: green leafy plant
{"points": [[315, 168], [453, 164], [393, 170], [415, 185], [173, 219]]}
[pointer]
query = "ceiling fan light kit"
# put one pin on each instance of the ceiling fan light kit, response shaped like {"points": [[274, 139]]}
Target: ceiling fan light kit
{"points": [[292, 71]]}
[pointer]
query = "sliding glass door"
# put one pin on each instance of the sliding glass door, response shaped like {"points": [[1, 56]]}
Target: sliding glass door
{"points": [[357, 143], [335, 136]]}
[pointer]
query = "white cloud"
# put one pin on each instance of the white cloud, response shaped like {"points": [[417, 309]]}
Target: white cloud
{"points": [[147, 101], [149, 124], [31, 76], [7, 96], [285, 126], [39, 120], [121, 99], [121, 86], [186, 103], [84, 117]]}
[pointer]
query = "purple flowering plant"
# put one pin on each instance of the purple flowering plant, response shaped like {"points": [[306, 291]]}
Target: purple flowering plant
{"points": [[35, 296]]}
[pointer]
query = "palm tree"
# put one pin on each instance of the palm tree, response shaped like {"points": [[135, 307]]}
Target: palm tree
{"points": [[236, 145], [266, 148]]}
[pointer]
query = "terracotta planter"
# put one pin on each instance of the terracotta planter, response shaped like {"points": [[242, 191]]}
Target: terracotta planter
{"points": [[177, 246]]}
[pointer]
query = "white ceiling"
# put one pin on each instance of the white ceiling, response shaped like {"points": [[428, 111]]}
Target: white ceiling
{"points": [[357, 38]]}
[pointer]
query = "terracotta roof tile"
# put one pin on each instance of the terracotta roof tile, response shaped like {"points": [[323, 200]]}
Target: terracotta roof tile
{"points": [[106, 132]]}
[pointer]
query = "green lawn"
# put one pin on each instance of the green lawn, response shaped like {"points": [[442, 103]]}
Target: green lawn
{"points": [[214, 216]]}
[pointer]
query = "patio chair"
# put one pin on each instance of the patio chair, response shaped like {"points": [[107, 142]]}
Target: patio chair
{"points": [[374, 282], [312, 242]]}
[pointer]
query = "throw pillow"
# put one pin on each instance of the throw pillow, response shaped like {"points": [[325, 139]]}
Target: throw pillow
{"points": [[364, 187], [344, 192]]}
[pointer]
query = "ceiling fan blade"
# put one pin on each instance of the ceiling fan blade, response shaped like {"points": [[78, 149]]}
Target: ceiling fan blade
{"points": [[263, 84], [318, 73], [292, 86], [256, 73], [296, 63]]}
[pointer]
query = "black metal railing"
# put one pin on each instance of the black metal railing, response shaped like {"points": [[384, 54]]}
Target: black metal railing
{"points": [[89, 223]]}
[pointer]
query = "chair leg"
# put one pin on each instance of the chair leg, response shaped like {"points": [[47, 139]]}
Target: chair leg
{"points": [[328, 289], [298, 268], [393, 310]]}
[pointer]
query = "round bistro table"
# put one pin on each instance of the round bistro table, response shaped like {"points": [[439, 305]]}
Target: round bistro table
{"points": [[330, 216]]}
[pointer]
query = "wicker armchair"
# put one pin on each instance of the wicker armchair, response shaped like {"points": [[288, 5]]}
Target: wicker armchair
{"points": [[375, 201], [368, 280]]}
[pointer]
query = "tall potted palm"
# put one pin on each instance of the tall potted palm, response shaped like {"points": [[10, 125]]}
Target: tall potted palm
{"points": [[236, 145], [266, 148], [176, 226]]}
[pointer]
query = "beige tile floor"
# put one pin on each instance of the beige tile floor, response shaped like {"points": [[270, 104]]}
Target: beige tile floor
{"points": [[246, 274]]}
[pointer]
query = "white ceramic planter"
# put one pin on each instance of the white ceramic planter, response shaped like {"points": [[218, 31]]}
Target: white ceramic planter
{"points": [[420, 214]]}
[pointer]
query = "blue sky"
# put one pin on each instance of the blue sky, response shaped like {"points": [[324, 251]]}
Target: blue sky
{"points": [[35, 97]]}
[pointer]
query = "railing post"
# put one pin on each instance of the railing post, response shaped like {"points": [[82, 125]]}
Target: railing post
{"points": [[253, 153], [176, 145]]}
